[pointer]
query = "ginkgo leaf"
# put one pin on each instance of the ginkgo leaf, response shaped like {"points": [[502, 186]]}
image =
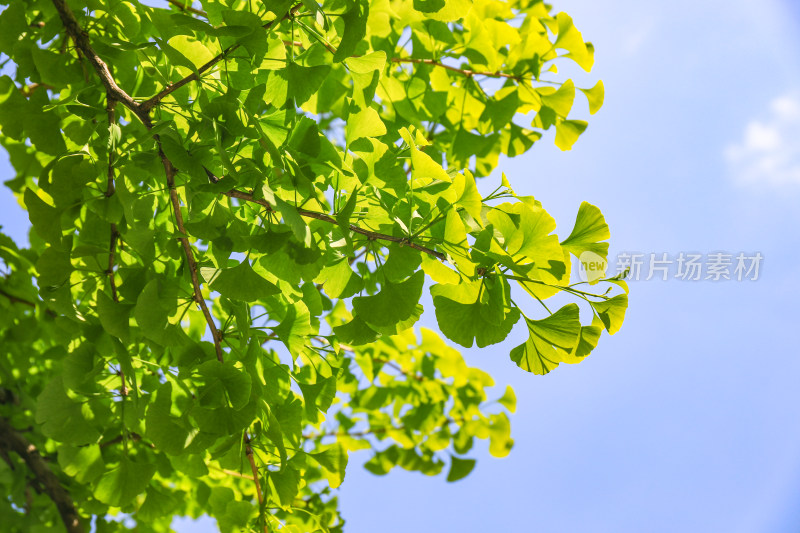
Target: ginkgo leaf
{"points": [[334, 462], [394, 303], [339, 281], [589, 230], [164, 430], [561, 100], [459, 468], [467, 317], [242, 283], [235, 381], [122, 484], [612, 312], [467, 194], [294, 220], [294, 327], [587, 341], [62, 418], [44, 217], [355, 27], [595, 96], [114, 317], [568, 131], [570, 39], [548, 340]]}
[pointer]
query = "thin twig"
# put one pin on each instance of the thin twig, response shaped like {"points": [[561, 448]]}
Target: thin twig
{"points": [[147, 105], [191, 263], [135, 437], [111, 105], [248, 450], [464, 72], [28, 90], [372, 235], [187, 6]]}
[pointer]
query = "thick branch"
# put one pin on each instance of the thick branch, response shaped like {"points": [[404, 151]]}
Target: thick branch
{"points": [[13, 440], [81, 40], [16, 300], [373, 235]]}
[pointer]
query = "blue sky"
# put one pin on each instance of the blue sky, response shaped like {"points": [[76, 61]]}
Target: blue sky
{"points": [[689, 418]]}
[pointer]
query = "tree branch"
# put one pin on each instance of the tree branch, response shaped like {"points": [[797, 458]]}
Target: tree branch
{"points": [[387, 362], [13, 440], [28, 303], [248, 450], [135, 437], [464, 72], [111, 104], [187, 6], [373, 235], [16, 300], [81, 40], [28, 90], [147, 105], [171, 171]]}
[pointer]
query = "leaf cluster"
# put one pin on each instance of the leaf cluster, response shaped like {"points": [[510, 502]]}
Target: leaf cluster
{"points": [[236, 210]]}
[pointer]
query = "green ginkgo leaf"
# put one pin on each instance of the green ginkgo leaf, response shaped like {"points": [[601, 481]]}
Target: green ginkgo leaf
{"points": [[568, 131], [234, 380], [334, 462], [355, 27], [459, 468], [589, 230], [560, 100], [467, 315], [595, 96], [612, 312], [44, 217], [62, 418], [122, 484], [163, 429], [242, 283], [548, 340], [114, 317], [395, 303]]}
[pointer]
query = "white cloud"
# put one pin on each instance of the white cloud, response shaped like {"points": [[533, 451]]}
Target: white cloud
{"points": [[769, 152]]}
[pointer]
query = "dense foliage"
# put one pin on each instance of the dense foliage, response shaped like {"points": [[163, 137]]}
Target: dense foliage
{"points": [[236, 209]]}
